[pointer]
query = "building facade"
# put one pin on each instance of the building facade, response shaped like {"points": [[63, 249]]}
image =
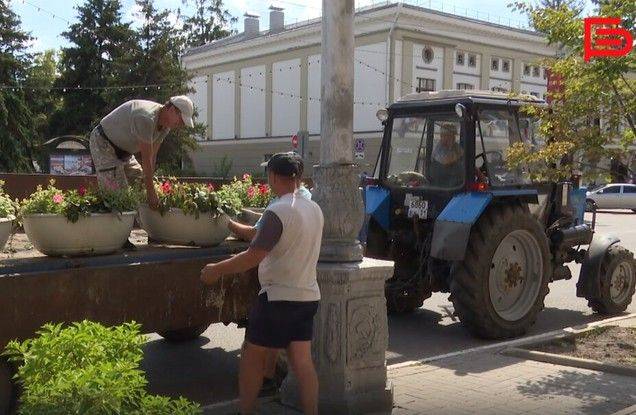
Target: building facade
{"points": [[256, 89]]}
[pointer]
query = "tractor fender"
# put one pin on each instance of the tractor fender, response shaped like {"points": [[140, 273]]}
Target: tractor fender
{"points": [[452, 227], [589, 282]]}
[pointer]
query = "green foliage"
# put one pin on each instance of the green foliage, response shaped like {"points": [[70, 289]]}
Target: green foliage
{"points": [[87, 368], [592, 91], [196, 198], [222, 168], [250, 194], [7, 206], [208, 23], [40, 77], [16, 126], [74, 204]]}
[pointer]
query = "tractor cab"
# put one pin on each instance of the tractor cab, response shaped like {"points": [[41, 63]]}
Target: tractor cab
{"points": [[445, 206]]}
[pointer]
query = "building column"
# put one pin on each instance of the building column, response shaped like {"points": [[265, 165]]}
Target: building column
{"points": [[485, 71], [237, 103], [406, 82], [304, 92], [516, 74], [350, 328], [210, 99], [268, 98], [449, 61]]}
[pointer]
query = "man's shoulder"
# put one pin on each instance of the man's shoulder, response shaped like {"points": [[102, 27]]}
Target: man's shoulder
{"points": [[143, 108]]}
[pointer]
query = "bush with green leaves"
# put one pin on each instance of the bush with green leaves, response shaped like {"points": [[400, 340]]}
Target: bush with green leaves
{"points": [[74, 204], [196, 198], [251, 194], [87, 368], [7, 207]]}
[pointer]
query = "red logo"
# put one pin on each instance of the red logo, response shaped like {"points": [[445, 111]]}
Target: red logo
{"points": [[604, 36]]}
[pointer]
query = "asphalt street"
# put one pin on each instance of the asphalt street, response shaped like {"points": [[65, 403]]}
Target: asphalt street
{"points": [[206, 370]]}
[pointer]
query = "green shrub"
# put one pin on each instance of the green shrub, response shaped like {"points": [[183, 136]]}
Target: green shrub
{"points": [[250, 193], [7, 207], [87, 368], [195, 198]]}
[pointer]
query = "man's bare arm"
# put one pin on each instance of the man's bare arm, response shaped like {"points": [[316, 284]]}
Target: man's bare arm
{"points": [[147, 163], [244, 232], [239, 263]]}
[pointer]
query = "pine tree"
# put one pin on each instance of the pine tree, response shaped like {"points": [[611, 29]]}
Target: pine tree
{"points": [[16, 131], [99, 41], [209, 22]]}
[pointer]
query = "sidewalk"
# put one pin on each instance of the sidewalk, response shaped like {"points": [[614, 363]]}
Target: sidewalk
{"points": [[491, 383]]}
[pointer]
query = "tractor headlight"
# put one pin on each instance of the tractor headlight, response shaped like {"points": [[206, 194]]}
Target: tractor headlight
{"points": [[382, 115]]}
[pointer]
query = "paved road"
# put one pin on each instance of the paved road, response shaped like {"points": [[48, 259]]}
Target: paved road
{"points": [[206, 370]]}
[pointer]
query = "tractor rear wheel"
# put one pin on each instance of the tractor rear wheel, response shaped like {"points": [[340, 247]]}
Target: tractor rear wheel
{"points": [[499, 287], [617, 282]]}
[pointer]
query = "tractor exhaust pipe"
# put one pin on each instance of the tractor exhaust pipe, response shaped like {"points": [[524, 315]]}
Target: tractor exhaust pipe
{"points": [[574, 236]]}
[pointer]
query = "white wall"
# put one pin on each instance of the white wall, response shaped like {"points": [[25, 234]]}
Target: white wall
{"points": [[313, 90], [474, 80], [500, 74], [253, 102], [499, 84], [533, 88], [223, 105], [465, 69], [369, 89], [531, 78], [286, 109], [200, 99], [434, 70]]}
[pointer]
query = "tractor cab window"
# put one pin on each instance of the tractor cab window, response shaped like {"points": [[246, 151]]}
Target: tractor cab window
{"points": [[427, 151], [499, 131]]}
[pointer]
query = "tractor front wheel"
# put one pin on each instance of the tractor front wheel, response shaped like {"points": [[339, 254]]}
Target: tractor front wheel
{"points": [[499, 287], [617, 282]]}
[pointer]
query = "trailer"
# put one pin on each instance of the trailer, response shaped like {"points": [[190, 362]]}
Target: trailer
{"points": [[156, 286]]}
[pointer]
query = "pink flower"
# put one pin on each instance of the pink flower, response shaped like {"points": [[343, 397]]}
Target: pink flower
{"points": [[166, 187], [82, 191], [211, 187], [251, 192], [263, 189], [246, 176], [58, 198]]}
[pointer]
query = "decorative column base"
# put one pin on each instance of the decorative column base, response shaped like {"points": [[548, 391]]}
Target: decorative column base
{"points": [[350, 340]]}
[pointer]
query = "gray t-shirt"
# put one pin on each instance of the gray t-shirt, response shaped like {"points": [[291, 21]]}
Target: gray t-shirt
{"points": [[269, 232], [134, 122]]}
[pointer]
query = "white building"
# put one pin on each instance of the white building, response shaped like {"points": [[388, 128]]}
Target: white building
{"points": [[255, 89]]}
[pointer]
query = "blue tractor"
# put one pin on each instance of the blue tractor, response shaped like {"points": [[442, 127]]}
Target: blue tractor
{"points": [[445, 206]]}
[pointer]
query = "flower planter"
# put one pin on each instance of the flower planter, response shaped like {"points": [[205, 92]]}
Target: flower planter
{"points": [[250, 215], [6, 225], [176, 228], [99, 233]]}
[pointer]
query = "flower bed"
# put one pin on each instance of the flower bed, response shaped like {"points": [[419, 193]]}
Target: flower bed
{"points": [[255, 197], [78, 222], [189, 214], [7, 214]]}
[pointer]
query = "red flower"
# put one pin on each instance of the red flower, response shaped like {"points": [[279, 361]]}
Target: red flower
{"points": [[251, 192], [58, 198], [211, 187], [263, 189], [81, 191], [246, 176], [166, 187]]}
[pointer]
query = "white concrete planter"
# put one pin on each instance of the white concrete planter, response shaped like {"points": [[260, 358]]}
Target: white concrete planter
{"points": [[177, 228], [99, 233], [250, 215], [6, 225]]}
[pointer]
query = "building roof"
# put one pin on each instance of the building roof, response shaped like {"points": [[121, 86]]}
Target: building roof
{"points": [[242, 37]]}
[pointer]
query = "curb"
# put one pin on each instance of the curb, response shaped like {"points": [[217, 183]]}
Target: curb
{"points": [[562, 360], [537, 338]]}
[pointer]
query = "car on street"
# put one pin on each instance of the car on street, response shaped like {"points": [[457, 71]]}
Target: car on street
{"points": [[612, 196]]}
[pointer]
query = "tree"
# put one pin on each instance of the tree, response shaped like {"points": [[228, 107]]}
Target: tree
{"points": [[40, 78], [99, 40], [556, 4], [16, 131], [593, 116], [209, 22]]}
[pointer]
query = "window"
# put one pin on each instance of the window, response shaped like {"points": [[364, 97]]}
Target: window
{"points": [[499, 89], [535, 94], [427, 151], [629, 189], [505, 65], [425, 84], [427, 54], [460, 58], [536, 71], [464, 86], [494, 64], [611, 190], [472, 60], [526, 70]]}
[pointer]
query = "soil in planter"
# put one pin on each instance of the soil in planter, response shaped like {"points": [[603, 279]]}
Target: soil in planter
{"points": [[609, 344]]}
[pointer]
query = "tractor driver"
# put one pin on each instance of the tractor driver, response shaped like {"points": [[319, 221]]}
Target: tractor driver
{"points": [[447, 158]]}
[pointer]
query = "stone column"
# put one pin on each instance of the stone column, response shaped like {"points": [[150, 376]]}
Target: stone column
{"points": [[350, 328]]}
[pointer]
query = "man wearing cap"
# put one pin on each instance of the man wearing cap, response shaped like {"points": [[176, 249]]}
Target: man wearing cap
{"points": [[285, 249], [136, 126]]}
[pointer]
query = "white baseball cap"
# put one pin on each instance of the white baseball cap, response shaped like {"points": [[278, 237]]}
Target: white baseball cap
{"points": [[185, 107]]}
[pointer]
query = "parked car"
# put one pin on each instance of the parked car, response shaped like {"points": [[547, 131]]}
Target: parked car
{"points": [[612, 196]]}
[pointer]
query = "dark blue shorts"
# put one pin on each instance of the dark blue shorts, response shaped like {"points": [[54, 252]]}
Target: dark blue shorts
{"points": [[275, 324]]}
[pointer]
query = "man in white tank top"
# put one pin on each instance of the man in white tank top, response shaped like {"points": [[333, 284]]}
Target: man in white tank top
{"points": [[285, 249]]}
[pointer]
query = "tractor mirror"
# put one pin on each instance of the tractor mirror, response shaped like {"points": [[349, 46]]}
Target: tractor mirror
{"points": [[460, 110], [382, 115]]}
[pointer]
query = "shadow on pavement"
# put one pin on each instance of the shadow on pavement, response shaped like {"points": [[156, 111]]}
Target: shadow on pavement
{"points": [[188, 369]]}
